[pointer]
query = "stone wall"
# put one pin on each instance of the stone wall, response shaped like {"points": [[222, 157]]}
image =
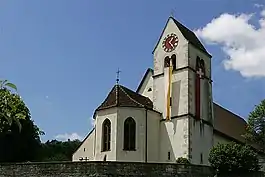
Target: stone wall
{"points": [[103, 169]]}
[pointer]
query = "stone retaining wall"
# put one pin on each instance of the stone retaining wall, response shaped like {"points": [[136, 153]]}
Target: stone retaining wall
{"points": [[103, 169]]}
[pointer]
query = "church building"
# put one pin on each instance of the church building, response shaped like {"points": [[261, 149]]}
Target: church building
{"points": [[170, 115]]}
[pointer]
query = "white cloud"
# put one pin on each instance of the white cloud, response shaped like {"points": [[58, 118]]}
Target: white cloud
{"points": [[66, 136], [258, 5], [242, 42], [262, 13], [92, 121]]}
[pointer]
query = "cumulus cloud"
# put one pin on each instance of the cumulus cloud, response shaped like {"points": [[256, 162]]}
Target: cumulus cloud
{"points": [[66, 136], [262, 13], [242, 42], [92, 121], [258, 5]]}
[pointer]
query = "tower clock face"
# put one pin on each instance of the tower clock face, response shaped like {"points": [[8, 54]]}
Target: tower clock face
{"points": [[170, 42]]}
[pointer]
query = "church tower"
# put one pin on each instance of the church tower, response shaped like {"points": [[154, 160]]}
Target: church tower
{"points": [[182, 93]]}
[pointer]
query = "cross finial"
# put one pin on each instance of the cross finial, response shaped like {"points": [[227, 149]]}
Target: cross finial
{"points": [[172, 13], [118, 76]]}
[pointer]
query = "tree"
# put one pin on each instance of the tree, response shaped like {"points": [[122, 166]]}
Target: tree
{"points": [[58, 151], [8, 106], [20, 146], [17, 144], [7, 84], [255, 130], [233, 158]]}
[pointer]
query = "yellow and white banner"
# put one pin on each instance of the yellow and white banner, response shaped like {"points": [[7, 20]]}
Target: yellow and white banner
{"points": [[168, 85]]}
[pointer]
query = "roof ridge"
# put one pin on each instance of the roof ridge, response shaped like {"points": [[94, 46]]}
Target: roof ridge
{"points": [[131, 97], [117, 95]]}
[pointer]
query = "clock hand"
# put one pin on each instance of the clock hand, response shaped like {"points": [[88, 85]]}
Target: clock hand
{"points": [[170, 42]]}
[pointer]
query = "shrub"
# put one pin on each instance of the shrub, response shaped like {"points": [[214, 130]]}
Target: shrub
{"points": [[182, 160], [233, 158]]}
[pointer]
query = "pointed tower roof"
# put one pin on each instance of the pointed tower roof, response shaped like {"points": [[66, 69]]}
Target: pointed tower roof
{"points": [[188, 34], [120, 96]]}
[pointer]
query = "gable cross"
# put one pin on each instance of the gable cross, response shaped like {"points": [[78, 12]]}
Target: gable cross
{"points": [[172, 12], [118, 76]]}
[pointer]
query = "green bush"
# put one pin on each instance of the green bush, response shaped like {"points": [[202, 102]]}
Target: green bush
{"points": [[182, 160], [233, 158]]}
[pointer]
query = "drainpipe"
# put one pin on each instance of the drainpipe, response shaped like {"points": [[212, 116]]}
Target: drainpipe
{"points": [[146, 135]]}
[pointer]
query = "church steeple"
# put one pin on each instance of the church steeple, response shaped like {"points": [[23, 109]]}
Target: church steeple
{"points": [[182, 90]]}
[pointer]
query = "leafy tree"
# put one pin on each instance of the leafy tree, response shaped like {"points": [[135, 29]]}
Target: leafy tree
{"points": [[182, 160], [255, 130], [58, 151], [233, 158], [20, 146], [6, 84], [16, 144], [9, 106]]}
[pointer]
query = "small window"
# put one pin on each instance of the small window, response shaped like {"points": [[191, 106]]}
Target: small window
{"points": [[149, 90], [81, 158], [84, 149], [170, 101], [168, 156], [201, 128], [201, 159]]}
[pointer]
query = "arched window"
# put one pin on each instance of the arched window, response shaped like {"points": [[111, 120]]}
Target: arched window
{"points": [[106, 130], [174, 63], [129, 134], [166, 62], [200, 65]]}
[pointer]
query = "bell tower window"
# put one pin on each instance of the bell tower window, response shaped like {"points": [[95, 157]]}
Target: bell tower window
{"points": [[171, 59], [166, 62]]}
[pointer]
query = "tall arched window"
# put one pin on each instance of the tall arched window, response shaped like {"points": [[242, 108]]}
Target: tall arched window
{"points": [[129, 134], [106, 131]]}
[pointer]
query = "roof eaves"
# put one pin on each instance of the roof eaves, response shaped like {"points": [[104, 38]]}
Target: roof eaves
{"points": [[160, 36], [143, 79], [203, 51]]}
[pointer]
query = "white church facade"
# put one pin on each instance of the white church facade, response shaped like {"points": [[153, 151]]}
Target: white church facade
{"points": [[170, 115]]}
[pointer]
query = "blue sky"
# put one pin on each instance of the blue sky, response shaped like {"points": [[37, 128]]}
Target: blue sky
{"points": [[63, 54]]}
